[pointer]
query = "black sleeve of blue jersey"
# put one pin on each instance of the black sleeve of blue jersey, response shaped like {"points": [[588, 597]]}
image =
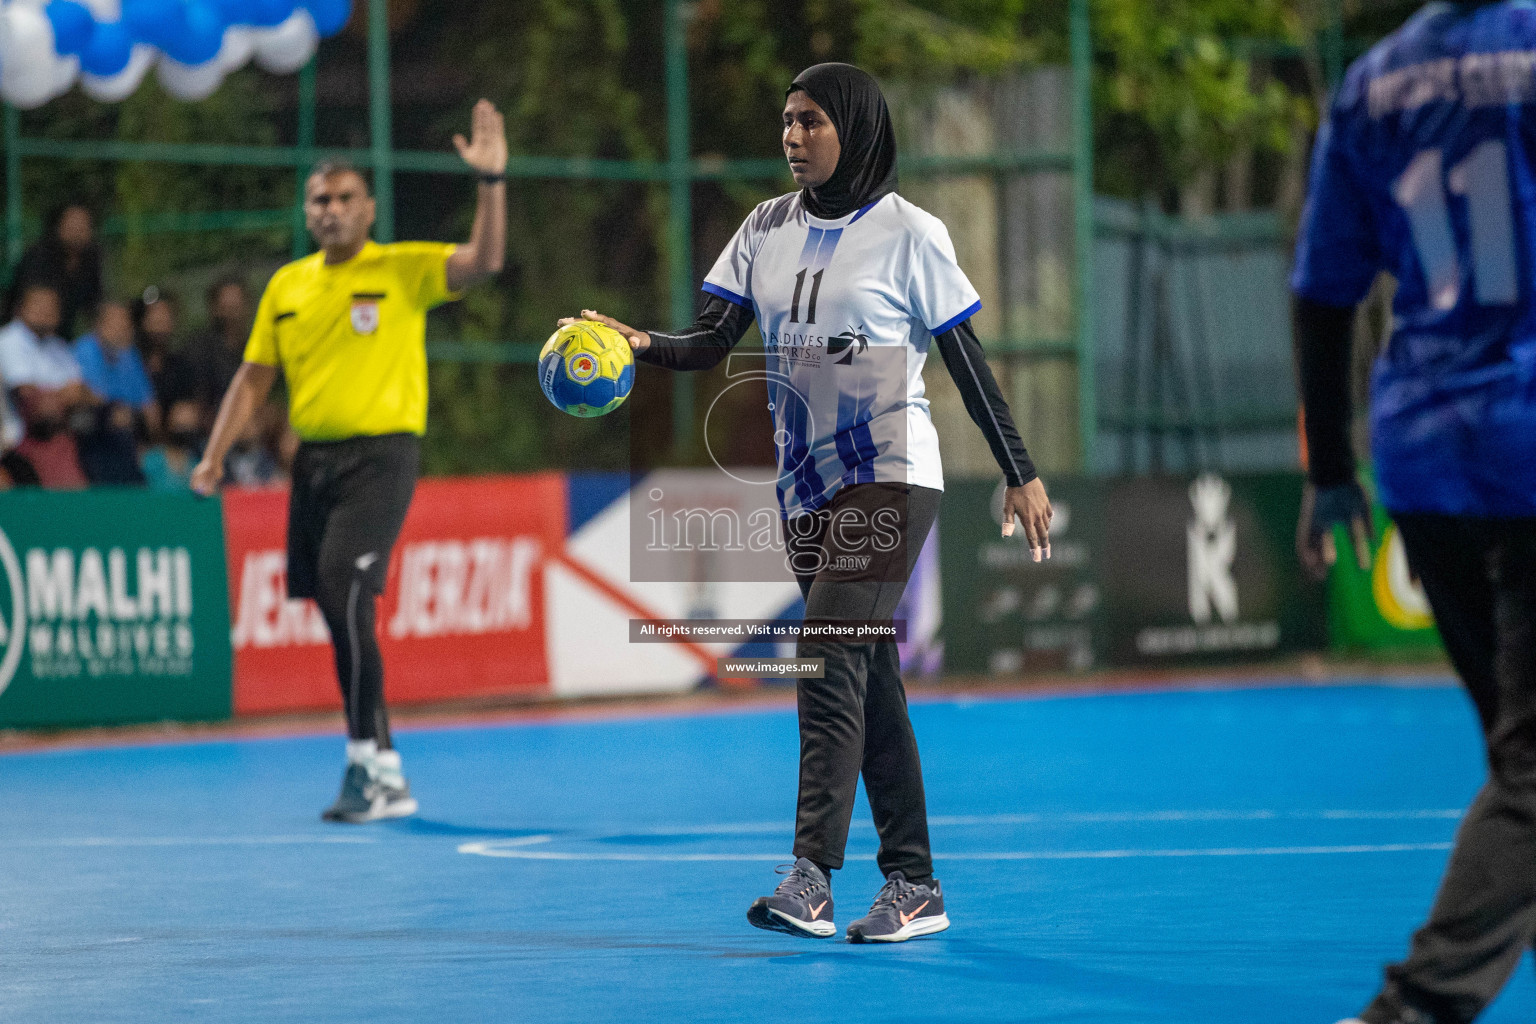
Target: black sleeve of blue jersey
{"points": [[701, 347], [984, 401], [1324, 340]]}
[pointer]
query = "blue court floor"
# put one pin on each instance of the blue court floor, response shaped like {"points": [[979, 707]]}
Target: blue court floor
{"points": [[1247, 856]]}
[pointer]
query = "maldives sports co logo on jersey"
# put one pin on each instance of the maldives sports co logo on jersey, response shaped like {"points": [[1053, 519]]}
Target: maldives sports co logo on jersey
{"points": [[94, 612], [811, 349]]}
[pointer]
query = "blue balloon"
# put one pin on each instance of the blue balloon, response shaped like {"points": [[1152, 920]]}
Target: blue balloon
{"points": [[201, 35], [331, 16], [156, 22], [72, 26], [109, 50], [266, 13], [234, 12]]}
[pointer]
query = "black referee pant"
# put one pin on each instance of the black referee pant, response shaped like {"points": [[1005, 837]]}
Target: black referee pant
{"points": [[1480, 577], [345, 511], [852, 559]]}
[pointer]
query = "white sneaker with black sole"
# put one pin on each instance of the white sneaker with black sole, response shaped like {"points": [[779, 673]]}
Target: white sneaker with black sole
{"points": [[801, 905], [901, 911]]}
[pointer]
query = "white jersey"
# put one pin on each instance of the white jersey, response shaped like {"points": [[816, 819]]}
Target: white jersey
{"points": [[848, 309]]}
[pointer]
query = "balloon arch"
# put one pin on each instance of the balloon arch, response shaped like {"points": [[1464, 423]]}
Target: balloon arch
{"points": [[110, 45]]}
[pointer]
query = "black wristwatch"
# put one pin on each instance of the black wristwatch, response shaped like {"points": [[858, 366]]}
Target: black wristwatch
{"points": [[493, 179]]}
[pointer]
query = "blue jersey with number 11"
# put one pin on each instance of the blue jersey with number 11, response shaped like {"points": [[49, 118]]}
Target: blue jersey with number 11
{"points": [[1424, 169]]}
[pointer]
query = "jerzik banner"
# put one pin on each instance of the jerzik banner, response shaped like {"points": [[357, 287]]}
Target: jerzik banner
{"points": [[114, 609], [462, 613]]}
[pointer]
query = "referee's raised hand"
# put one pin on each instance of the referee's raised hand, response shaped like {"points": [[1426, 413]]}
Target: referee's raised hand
{"points": [[485, 151], [1030, 505]]}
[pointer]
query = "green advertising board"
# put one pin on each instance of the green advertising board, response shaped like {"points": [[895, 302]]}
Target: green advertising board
{"points": [[1203, 570], [1145, 572], [1005, 613], [114, 608], [1380, 610]]}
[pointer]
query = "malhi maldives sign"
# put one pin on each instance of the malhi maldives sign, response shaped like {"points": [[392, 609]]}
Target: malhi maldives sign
{"points": [[113, 608]]}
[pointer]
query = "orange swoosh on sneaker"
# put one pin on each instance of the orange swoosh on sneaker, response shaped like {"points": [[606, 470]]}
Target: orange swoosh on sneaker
{"points": [[906, 919], [817, 909]]}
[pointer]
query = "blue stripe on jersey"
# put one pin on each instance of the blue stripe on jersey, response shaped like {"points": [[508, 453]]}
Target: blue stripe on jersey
{"points": [[957, 320], [795, 454], [727, 294], [855, 444], [867, 450], [812, 243], [820, 243]]}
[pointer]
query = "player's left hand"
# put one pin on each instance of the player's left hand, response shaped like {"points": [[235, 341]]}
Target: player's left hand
{"points": [[1323, 508], [639, 341], [1032, 508], [486, 149]]}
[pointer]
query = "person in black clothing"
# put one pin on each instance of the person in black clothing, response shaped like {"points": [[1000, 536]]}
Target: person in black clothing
{"points": [[1425, 175], [155, 320], [850, 286], [214, 355], [68, 259]]}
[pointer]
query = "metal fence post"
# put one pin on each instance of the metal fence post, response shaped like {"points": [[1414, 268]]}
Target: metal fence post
{"points": [[1082, 209], [1333, 44], [306, 146], [679, 208], [12, 189], [380, 119]]}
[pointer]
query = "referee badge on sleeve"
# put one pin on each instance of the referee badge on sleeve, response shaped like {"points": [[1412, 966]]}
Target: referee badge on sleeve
{"points": [[365, 313]]}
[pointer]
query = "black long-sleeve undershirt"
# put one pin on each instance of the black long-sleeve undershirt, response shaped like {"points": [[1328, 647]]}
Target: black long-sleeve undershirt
{"points": [[1323, 337], [701, 347], [985, 402], [722, 323]]}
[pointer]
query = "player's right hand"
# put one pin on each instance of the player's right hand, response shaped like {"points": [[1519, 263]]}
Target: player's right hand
{"points": [[206, 477], [1030, 505], [639, 341], [1323, 508]]}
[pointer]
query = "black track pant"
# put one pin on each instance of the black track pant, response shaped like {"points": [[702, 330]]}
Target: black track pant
{"points": [[852, 559], [1480, 577], [348, 503]]}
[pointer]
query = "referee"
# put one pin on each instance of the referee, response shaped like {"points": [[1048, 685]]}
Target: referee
{"points": [[347, 328]]}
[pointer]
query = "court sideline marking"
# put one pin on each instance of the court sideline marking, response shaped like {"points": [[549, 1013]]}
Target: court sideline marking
{"points": [[490, 848]]}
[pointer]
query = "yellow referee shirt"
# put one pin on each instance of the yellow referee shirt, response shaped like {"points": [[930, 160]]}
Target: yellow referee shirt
{"points": [[351, 338]]}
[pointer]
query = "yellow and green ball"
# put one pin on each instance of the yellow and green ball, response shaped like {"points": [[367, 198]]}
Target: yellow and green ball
{"points": [[587, 369]]}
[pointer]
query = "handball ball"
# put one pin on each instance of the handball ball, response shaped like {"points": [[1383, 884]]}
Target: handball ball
{"points": [[587, 369]]}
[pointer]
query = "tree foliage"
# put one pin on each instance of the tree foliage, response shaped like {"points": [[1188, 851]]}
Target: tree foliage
{"points": [[1179, 89]]}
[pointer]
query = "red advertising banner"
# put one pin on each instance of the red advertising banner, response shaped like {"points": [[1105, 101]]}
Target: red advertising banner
{"points": [[462, 613]]}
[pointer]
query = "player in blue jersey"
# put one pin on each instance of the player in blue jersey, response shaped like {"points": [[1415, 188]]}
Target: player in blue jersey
{"points": [[850, 286], [1426, 169]]}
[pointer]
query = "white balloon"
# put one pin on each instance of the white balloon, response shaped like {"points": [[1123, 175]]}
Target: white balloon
{"points": [[65, 71], [27, 72], [189, 83], [239, 46], [125, 83], [286, 48], [105, 10]]}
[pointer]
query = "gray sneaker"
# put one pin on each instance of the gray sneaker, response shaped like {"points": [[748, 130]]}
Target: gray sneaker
{"points": [[365, 796], [801, 905], [901, 911]]}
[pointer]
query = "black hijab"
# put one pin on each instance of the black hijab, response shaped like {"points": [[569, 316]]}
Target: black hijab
{"points": [[866, 169]]}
